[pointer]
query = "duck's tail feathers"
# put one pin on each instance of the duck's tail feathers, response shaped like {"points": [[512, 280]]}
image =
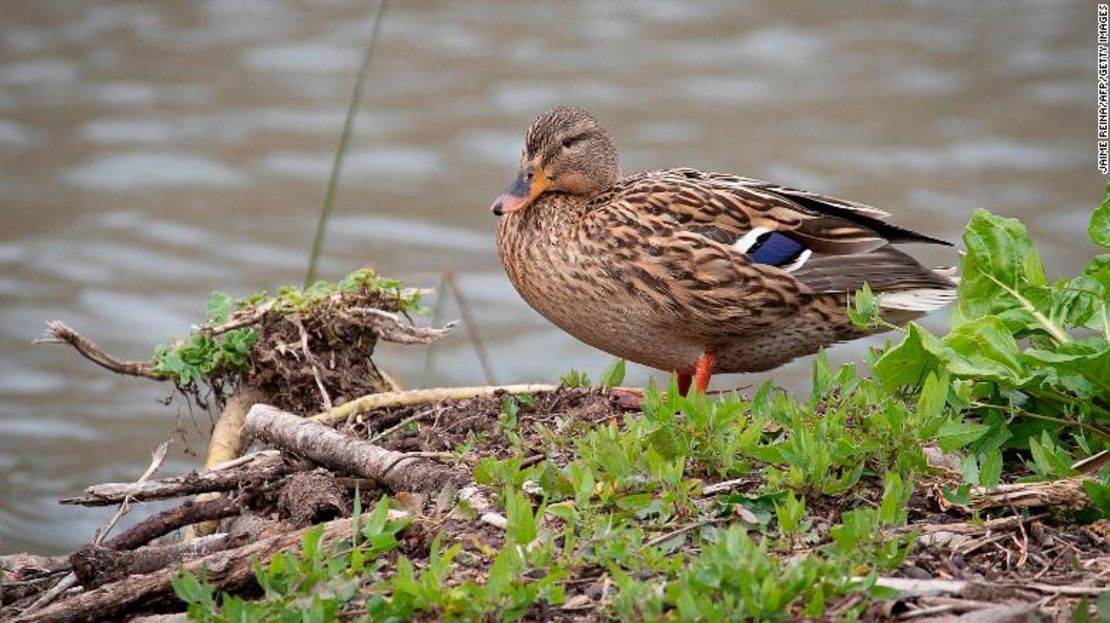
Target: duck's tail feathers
{"points": [[918, 299]]}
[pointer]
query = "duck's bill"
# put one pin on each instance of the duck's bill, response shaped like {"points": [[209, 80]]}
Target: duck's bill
{"points": [[520, 193]]}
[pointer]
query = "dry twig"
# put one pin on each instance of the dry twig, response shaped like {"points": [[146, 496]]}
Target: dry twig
{"points": [[57, 332]]}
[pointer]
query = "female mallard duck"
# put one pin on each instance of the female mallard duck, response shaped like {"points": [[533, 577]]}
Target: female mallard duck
{"points": [[694, 272]]}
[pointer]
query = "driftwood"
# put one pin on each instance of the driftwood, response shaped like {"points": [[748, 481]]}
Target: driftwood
{"points": [[169, 520], [98, 565], [329, 448], [264, 468], [1065, 493], [226, 570]]}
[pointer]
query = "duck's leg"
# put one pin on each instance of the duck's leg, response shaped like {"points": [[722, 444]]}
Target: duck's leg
{"points": [[683, 383], [704, 370]]}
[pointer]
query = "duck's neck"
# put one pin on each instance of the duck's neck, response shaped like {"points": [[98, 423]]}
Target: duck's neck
{"points": [[534, 236]]}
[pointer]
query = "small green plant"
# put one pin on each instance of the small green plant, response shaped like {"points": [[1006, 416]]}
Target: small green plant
{"points": [[574, 378]]}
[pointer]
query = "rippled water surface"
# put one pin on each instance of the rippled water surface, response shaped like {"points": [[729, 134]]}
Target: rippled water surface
{"points": [[153, 151]]}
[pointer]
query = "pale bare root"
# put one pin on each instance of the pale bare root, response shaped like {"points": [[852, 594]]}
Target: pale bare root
{"points": [[393, 400]]}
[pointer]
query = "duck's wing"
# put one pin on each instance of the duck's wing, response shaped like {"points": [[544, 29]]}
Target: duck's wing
{"points": [[825, 244]]}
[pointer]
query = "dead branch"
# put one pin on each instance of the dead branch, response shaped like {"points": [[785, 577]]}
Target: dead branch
{"points": [[266, 468], [96, 565], [907, 587], [392, 400], [227, 570], [61, 333], [156, 460], [169, 520], [1065, 493], [334, 450], [45, 564]]}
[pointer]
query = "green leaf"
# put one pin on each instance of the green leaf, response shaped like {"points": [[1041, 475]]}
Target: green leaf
{"points": [[985, 349], [969, 467], [957, 434], [613, 375], [1100, 496], [909, 362], [1099, 227], [1000, 264], [990, 468], [219, 306]]}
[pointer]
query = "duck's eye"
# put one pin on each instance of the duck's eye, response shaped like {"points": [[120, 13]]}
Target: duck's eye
{"points": [[569, 141]]}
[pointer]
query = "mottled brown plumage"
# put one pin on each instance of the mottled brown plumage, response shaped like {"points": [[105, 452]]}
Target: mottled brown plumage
{"points": [[661, 267]]}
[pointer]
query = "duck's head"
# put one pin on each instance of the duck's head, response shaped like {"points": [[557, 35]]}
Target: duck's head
{"points": [[565, 151]]}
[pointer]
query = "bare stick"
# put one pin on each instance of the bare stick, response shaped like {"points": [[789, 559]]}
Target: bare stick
{"points": [[327, 447], [156, 460], [171, 519], [59, 332], [471, 327], [63, 585], [392, 400], [420, 415], [915, 588], [1067, 493], [177, 486]]}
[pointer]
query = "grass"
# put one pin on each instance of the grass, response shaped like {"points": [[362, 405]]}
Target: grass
{"points": [[328, 206], [1015, 391]]}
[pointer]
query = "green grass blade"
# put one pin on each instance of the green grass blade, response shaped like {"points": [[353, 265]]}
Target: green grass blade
{"points": [[341, 152]]}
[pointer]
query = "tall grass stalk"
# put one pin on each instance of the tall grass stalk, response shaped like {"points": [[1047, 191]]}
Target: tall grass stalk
{"points": [[437, 320], [341, 152]]}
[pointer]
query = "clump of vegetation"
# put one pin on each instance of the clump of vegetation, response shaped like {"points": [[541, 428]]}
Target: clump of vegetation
{"points": [[762, 508], [245, 338]]}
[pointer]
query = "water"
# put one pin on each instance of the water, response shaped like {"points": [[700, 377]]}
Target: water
{"points": [[151, 152]]}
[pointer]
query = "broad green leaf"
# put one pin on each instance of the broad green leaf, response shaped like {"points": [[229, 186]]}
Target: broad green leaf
{"points": [[910, 361], [957, 434], [1078, 302], [985, 349], [1001, 265]]}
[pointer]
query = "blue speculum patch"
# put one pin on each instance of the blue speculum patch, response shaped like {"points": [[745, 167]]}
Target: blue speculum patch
{"points": [[775, 249]]}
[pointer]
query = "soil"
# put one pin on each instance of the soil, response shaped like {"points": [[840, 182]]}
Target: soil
{"points": [[1046, 548]]}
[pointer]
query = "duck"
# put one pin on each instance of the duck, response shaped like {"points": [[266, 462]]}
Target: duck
{"points": [[691, 272]]}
